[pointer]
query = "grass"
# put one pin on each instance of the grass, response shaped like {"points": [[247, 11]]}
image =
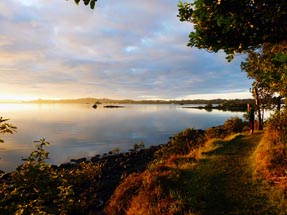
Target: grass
{"points": [[220, 181]]}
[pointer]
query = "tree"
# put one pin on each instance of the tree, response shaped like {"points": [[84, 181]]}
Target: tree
{"points": [[92, 3], [235, 26], [267, 66]]}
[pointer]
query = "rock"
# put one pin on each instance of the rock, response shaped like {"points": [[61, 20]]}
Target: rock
{"points": [[113, 106], [80, 160], [67, 166]]}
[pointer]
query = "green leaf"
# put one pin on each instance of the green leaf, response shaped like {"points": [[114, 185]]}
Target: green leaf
{"points": [[77, 1], [86, 2], [93, 3]]}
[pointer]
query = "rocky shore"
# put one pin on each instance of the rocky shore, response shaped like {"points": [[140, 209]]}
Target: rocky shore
{"points": [[114, 167]]}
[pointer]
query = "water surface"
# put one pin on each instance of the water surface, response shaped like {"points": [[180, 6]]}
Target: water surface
{"points": [[78, 130]]}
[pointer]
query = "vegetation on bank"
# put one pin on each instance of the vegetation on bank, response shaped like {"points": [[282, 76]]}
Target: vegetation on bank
{"points": [[271, 154], [218, 175], [196, 172]]}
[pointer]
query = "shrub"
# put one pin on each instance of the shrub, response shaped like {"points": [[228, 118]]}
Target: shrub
{"points": [[271, 154], [217, 132], [35, 188], [276, 130], [231, 126], [182, 143], [276, 140], [147, 193]]}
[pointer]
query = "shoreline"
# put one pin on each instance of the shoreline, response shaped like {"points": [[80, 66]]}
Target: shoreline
{"points": [[115, 166]]}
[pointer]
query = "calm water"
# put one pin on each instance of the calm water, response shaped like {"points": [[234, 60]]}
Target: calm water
{"points": [[77, 130]]}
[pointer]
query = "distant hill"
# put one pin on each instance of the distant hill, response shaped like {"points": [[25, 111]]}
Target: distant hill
{"points": [[129, 101]]}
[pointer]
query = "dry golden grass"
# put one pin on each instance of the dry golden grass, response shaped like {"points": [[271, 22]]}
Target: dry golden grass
{"points": [[270, 157], [157, 190], [271, 163], [146, 193]]}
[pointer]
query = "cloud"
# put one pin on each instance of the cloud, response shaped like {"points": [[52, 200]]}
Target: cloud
{"points": [[122, 49]]}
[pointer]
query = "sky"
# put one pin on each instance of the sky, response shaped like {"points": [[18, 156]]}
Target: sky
{"points": [[131, 49]]}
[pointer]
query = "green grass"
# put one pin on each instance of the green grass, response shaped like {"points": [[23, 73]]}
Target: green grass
{"points": [[222, 182]]}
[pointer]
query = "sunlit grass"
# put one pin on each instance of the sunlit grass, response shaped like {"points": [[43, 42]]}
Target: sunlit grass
{"points": [[213, 179]]}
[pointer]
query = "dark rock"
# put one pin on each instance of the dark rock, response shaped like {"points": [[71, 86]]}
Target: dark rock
{"points": [[67, 166], [113, 106], [5, 176], [80, 160]]}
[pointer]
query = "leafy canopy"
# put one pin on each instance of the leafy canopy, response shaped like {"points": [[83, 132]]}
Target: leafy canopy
{"points": [[92, 3], [268, 66], [234, 26]]}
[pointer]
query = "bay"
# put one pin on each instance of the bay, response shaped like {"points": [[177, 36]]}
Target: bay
{"points": [[78, 130]]}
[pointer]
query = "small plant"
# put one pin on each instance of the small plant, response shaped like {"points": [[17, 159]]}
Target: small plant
{"points": [[6, 128], [182, 143], [217, 132], [276, 140], [138, 147], [35, 187], [233, 125], [39, 155], [115, 151]]}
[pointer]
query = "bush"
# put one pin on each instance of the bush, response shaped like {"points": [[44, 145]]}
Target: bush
{"points": [[147, 193], [231, 126], [217, 132], [182, 143], [271, 154], [276, 130], [276, 139], [35, 188]]}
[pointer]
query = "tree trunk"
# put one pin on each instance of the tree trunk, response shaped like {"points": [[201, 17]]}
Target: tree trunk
{"points": [[279, 103], [258, 106]]}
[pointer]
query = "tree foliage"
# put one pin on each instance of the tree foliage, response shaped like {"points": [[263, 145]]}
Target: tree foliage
{"points": [[268, 67], [92, 3], [234, 26]]}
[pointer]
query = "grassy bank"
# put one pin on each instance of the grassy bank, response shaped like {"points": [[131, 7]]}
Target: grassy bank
{"points": [[221, 170], [217, 178], [223, 181]]}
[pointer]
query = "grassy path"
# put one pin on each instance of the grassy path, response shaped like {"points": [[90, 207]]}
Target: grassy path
{"points": [[223, 183]]}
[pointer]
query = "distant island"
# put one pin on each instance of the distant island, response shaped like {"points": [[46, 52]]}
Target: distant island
{"points": [[130, 101], [208, 105]]}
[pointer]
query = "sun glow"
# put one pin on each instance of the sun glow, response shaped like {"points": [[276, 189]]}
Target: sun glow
{"points": [[15, 98]]}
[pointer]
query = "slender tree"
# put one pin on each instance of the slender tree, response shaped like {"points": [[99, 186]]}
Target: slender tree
{"points": [[268, 67]]}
